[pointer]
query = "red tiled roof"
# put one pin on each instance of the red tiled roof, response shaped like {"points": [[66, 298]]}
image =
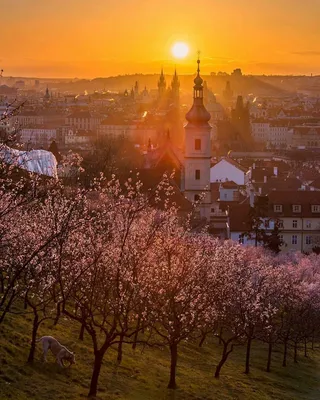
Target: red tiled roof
{"points": [[239, 219], [289, 198], [258, 174], [215, 194], [278, 184], [229, 185], [316, 183]]}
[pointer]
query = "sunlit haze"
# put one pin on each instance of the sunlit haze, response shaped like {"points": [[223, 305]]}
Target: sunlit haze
{"points": [[86, 39], [180, 50]]}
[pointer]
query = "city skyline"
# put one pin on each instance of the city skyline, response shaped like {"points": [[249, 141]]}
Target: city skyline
{"points": [[79, 39]]}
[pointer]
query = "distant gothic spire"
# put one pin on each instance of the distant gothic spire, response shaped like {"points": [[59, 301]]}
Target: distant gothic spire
{"points": [[228, 93], [136, 88], [175, 80], [47, 95], [162, 82]]}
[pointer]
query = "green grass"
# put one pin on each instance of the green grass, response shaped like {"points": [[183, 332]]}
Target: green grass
{"points": [[143, 374]]}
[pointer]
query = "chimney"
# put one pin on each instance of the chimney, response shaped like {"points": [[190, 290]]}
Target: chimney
{"points": [[254, 166], [275, 171], [264, 179]]}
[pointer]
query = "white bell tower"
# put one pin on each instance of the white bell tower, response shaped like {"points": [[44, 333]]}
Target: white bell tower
{"points": [[197, 157]]}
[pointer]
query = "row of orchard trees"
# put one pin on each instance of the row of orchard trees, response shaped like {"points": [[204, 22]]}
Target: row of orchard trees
{"points": [[128, 269]]}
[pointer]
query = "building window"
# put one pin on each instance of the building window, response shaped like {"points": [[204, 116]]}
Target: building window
{"points": [[294, 223], [308, 224], [308, 239], [278, 208], [281, 239], [267, 223], [197, 174], [197, 144], [196, 197], [296, 208], [241, 239], [294, 239], [280, 224], [315, 208]]}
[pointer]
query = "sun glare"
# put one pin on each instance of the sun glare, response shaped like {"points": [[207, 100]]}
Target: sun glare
{"points": [[180, 50]]}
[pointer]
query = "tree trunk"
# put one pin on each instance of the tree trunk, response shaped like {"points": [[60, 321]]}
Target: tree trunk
{"points": [[269, 356], [1, 284], [285, 351], [173, 366], [295, 357], [247, 370], [135, 338], [7, 307], [224, 357], [95, 374], [119, 358], [81, 333], [34, 336], [203, 338], [58, 314]]}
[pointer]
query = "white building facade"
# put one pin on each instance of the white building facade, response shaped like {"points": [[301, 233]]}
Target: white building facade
{"points": [[272, 134], [38, 136], [228, 170]]}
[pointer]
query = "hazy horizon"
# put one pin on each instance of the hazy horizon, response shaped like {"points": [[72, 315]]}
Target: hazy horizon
{"points": [[56, 39], [168, 73]]}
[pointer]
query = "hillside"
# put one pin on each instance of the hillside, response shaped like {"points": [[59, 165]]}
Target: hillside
{"points": [[143, 373]]}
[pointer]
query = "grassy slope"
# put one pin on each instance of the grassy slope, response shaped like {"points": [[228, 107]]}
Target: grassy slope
{"points": [[143, 374]]}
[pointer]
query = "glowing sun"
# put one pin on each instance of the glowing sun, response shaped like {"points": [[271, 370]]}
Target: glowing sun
{"points": [[180, 50]]}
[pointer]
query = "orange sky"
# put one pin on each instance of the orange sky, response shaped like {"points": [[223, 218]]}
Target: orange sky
{"points": [[85, 39]]}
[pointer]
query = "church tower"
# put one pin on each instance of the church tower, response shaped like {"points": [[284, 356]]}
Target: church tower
{"points": [[136, 90], [162, 85], [198, 151], [228, 93], [46, 97], [175, 89]]}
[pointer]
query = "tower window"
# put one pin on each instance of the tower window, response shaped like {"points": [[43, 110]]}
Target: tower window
{"points": [[197, 144], [197, 174]]}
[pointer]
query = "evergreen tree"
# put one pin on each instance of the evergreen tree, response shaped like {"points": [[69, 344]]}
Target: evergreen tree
{"points": [[259, 223], [55, 151], [273, 241]]}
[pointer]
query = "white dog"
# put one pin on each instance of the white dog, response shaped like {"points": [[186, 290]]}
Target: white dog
{"points": [[60, 352]]}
